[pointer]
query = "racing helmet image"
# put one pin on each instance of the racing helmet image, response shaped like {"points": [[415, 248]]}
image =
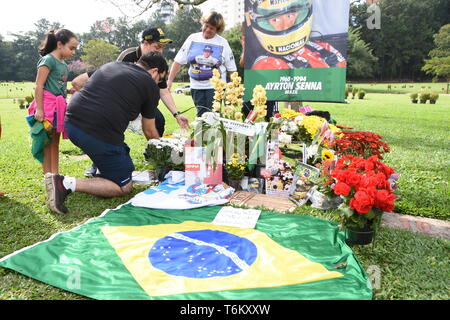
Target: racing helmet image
{"points": [[281, 26]]}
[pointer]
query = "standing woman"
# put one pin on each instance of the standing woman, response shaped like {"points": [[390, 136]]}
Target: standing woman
{"points": [[209, 43], [51, 90]]}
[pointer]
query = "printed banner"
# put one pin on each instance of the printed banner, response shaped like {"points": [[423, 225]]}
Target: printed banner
{"points": [[296, 49]]}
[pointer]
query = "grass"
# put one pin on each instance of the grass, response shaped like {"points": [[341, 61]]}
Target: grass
{"points": [[439, 87], [412, 266]]}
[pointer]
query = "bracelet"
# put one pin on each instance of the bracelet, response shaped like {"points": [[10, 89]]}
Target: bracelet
{"points": [[176, 114]]}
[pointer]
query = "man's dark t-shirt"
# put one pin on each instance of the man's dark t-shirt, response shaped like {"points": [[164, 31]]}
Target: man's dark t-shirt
{"points": [[115, 95]]}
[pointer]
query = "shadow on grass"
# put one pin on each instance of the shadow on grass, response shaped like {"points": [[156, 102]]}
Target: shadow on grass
{"points": [[21, 226]]}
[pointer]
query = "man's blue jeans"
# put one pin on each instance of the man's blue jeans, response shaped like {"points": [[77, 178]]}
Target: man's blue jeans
{"points": [[203, 100]]}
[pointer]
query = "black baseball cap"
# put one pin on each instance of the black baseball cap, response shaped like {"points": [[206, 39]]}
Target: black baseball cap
{"points": [[155, 34]]}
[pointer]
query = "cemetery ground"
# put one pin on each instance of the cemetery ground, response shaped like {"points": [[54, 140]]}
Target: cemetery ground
{"points": [[411, 266]]}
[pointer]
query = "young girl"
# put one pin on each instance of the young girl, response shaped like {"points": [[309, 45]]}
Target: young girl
{"points": [[51, 90]]}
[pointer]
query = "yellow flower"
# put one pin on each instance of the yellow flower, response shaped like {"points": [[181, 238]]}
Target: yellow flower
{"points": [[327, 155], [216, 73], [216, 106], [289, 114], [312, 124]]}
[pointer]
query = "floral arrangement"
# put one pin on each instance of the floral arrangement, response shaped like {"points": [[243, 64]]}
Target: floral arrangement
{"points": [[306, 129], [236, 166], [166, 153], [228, 96], [365, 186], [361, 143]]}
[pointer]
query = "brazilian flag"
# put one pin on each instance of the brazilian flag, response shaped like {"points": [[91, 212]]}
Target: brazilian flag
{"points": [[140, 253]]}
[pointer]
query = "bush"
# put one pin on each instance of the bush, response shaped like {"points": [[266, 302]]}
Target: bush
{"points": [[424, 96], [187, 92], [29, 99], [414, 96], [434, 96], [361, 94], [21, 103], [354, 92]]}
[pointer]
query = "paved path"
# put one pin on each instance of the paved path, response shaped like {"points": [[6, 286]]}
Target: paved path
{"points": [[426, 226]]}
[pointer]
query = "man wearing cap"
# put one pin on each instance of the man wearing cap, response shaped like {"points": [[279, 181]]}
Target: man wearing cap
{"points": [[153, 39]]}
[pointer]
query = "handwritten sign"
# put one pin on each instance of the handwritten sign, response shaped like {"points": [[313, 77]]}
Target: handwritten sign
{"points": [[235, 217], [238, 127]]}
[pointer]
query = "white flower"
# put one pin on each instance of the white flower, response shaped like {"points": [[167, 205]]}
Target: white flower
{"points": [[284, 138], [312, 150], [298, 120]]}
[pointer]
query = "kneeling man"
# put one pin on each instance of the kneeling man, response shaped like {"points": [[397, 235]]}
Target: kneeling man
{"points": [[96, 120]]}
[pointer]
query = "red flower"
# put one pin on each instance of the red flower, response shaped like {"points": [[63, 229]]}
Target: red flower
{"points": [[384, 200], [342, 188], [277, 115], [353, 179], [362, 202]]}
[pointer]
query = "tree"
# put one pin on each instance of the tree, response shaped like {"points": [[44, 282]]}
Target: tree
{"points": [[233, 37], [141, 6], [99, 52], [406, 34], [439, 64], [361, 61], [186, 22], [6, 60]]}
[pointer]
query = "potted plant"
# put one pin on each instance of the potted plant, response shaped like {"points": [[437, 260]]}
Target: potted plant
{"points": [[414, 97], [366, 192], [361, 94], [166, 154], [235, 168], [354, 92], [433, 97], [424, 96]]}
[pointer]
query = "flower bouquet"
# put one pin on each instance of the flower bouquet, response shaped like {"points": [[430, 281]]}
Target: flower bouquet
{"points": [[235, 170], [166, 154], [365, 187]]}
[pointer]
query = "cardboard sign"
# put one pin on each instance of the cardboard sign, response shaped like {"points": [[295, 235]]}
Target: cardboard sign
{"points": [[254, 200], [235, 217]]}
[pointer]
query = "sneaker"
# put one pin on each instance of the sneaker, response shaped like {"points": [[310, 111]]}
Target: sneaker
{"points": [[97, 173], [56, 192], [91, 171]]}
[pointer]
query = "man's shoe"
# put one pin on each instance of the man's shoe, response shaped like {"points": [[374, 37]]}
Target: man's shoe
{"points": [[56, 192], [91, 171]]}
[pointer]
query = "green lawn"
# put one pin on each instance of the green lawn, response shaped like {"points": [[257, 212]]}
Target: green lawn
{"points": [[439, 87], [412, 266]]}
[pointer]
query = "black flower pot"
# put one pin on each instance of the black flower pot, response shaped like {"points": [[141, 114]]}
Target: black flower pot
{"points": [[414, 101], [359, 236]]}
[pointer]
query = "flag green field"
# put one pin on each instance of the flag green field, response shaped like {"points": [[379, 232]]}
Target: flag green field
{"points": [[131, 253]]}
